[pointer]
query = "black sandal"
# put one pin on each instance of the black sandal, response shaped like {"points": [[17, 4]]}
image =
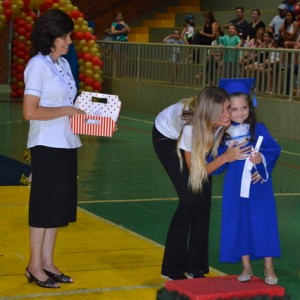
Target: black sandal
{"points": [[62, 278], [48, 283]]}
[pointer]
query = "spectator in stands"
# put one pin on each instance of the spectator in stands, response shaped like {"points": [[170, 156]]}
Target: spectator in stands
{"points": [[188, 30], [255, 24], [214, 57], [296, 10], [206, 35], [289, 30], [250, 56], [119, 29], [240, 23], [175, 38], [290, 4], [230, 61], [277, 21], [266, 62], [295, 66]]}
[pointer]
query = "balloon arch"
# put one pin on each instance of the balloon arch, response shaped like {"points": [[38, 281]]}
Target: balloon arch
{"points": [[22, 14]]}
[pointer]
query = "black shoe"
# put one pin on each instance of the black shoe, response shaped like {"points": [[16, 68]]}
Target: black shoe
{"points": [[178, 276], [62, 278], [196, 274], [48, 283]]}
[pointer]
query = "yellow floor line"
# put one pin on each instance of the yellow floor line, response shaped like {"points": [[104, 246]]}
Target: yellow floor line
{"points": [[104, 259]]}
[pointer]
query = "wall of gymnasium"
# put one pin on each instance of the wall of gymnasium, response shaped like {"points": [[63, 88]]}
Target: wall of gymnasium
{"points": [[280, 116]]}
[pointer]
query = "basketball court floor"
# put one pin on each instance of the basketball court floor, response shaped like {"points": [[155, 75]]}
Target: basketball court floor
{"points": [[126, 201]]}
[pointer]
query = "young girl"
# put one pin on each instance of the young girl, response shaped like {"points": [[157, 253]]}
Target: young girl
{"points": [[249, 220]]}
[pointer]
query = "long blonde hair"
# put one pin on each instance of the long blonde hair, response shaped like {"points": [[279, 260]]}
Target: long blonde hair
{"points": [[207, 110]]}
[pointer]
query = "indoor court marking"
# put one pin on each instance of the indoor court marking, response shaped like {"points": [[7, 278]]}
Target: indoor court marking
{"points": [[106, 260]]}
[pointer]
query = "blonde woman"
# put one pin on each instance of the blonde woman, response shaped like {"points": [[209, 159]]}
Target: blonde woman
{"points": [[193, 127]]}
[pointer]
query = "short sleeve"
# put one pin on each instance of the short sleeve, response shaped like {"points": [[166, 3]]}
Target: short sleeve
{"points": [[33, 76], [185, 142]]}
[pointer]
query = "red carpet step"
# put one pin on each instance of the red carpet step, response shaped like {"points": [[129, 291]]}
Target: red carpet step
{"points": [[223, 287]]}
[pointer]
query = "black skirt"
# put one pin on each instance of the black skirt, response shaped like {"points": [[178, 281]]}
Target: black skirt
{"points": [[53, 193]]}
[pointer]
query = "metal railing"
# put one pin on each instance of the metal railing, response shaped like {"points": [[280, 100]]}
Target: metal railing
{"points": [[276, 70]]}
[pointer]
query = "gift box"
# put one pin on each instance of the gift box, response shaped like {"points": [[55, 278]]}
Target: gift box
{"points": [[102, 112]]}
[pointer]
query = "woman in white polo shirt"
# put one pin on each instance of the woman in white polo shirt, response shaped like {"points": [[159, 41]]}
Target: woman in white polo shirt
{"points": [[50, 90], [184, 135]]}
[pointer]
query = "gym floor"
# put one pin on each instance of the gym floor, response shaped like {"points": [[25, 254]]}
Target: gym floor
{"points": [[126, 201]]}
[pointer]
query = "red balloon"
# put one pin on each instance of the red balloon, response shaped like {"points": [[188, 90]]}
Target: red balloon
{"points": [[87, 56], [88, 80], [13, 94], [7, 13], [97, 86], [20, 92], [79, 35], [87, 36], [20, 76], [96, 60], [20, 68], [75, 14], [81, 76], [6, 4], [21, 23], [21, 31]]}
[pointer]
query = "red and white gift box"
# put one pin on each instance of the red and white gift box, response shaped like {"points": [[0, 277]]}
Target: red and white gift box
{"points": [[102, 114]]}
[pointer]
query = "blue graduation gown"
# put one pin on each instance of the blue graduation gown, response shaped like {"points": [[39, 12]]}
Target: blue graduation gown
{"points": [[249, 225]]}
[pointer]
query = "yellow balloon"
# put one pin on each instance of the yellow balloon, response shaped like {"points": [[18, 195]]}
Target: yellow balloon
{"points": [[69, 8], [14, 8], [80, 62], [82, 43], [55, 6], [62, 2], [76, 28], [91, 43], [79, 21], [96, 77], [85, 49], [88, 88], [88, 65], [88, 72], [81, 69], [2, 19], [84, 28], [94, 50], [20, 4]]}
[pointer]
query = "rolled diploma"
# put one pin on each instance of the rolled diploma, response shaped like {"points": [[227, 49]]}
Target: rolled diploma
{"points": [[246, 177]]}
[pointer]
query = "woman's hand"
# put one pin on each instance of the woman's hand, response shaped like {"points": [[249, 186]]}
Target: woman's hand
{"points": [[75, 111], [237, 151]]}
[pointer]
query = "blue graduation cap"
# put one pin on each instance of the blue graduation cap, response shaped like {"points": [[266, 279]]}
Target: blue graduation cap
{"points": [[239, 85]]}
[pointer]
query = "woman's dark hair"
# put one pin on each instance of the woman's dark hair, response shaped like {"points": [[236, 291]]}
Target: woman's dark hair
{"points": [[286, 24], [52, 24]]}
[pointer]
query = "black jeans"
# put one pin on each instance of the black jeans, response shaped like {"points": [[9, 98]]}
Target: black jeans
{"points": [[186, 248]]}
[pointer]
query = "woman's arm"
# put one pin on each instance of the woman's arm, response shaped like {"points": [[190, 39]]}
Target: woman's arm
{"points": [[233, 152], [32, 110]]}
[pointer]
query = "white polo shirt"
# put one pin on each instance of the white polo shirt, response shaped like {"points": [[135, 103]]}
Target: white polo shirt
{"points": [[55, 85]]}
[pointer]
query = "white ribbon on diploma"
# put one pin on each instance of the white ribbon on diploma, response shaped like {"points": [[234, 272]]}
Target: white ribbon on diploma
{"points": [[246, 177]]}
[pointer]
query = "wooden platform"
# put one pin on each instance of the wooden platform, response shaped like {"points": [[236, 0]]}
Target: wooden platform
{"points": [[223, 287]]}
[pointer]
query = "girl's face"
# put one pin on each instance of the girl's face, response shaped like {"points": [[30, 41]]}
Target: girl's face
{"points": [[267, 38], [224, 119], [239, 109], [61, 45]]}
